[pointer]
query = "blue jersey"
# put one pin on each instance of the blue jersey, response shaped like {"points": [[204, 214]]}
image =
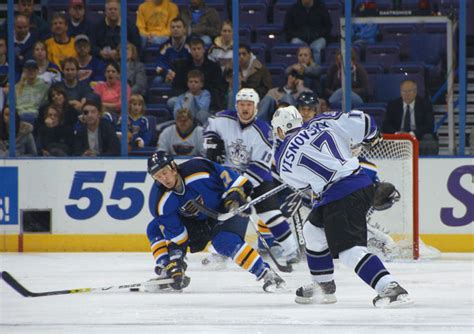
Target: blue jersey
{"points": [[205, 182]]}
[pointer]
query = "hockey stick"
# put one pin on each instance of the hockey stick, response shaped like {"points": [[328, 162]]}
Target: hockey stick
{"points": [[10, 280], [225, 216]]}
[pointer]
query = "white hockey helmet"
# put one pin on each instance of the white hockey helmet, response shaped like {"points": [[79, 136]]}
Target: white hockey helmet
{"points": [[247, 94], [287, 118]]}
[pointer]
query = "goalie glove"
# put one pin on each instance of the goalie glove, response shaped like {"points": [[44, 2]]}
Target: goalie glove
{"points": [[215, 149], [175, 270], [372, 142], [235, 198], [385, 196]]}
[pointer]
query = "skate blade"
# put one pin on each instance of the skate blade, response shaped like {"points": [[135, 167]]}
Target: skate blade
{"points": [[402, 301], [328, 299], [282, 288]]}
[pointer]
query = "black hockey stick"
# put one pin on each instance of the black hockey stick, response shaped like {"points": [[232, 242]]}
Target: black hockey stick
{"points": [[10, 280]]}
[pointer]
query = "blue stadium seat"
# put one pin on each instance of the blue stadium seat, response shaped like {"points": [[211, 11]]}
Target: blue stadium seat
{"points": [[160, 111], [376, 110], [408, 68], [160, 94], [398, 33], [253, 14], [278, 74], [150, 54], [280, 9], [285, 53], [270, 34], [245, 34], [373, 70], [383, 53], [259, 50], [427, 48], [152, 122]]}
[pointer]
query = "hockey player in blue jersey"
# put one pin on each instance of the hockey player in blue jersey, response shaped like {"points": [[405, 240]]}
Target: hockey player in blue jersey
{"points": [[244, 143], [319, 155], [179, 225]]}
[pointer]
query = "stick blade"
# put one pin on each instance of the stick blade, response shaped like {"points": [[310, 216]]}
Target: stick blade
{"points": [[15, 284]]}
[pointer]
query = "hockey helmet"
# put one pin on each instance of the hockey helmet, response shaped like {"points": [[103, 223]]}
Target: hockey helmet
{"points": [[287, 118], [157, 161], [307, 99], [248, 94]]}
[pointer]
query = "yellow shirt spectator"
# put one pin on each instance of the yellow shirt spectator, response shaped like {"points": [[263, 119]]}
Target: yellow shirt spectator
{"points": [[58, 51], [154, 17]]}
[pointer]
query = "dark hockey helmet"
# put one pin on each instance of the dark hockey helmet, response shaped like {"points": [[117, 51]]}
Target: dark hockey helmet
{"points": [[307, 99], [157, 161]]}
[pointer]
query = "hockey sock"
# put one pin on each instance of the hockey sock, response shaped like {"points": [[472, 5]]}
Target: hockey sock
{"points": [[320, 265], [159, 250], [266, 234], [232, 245], [367, 266], [277, 224]]}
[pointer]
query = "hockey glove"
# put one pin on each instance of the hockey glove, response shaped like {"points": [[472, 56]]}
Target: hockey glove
{"points": [[235, 198], [374, 141], [385, 196], [215, 149], [175, 270]]}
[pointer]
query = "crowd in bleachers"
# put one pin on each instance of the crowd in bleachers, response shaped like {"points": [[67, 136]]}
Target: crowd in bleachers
{"points": [[179, 69]]}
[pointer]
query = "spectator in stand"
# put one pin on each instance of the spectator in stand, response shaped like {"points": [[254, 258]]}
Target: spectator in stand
{"points": [[153, 21], [60, 45], [359, 79], [3, 65], [308, 21], [253, 74], [25, 143], [37, 26], [47, 71], [136, 75], [221, 50], [91, 68], [77, 21], [97, 137], [30, 92], [109, 91], [288, 93], [307, 68], [24, 41], [412, 114], [213, 79], [203, 21], [139, 132], [182, 138], [54, 136], [174, 51], [196, 99], [57, 98], [76, 91], [107, 32]]}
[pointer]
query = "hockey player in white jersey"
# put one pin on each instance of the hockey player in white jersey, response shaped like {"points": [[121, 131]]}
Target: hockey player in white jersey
{"points": [[319, 155], [241, 141]]}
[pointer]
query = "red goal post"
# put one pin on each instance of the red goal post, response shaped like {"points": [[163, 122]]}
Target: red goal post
{"points": [[396, 158]]}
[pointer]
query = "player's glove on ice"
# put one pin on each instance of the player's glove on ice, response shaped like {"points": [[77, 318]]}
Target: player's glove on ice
{"points": [[175, 270]]}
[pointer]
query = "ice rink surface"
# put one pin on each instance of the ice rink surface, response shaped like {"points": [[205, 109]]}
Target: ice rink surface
{"points": [[226, 301]]}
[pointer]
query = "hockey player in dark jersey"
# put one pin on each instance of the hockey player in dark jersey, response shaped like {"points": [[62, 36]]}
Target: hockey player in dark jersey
{"points": [[178, 224], [244, 143]]}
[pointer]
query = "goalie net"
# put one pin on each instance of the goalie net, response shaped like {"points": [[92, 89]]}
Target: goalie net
{"points": [[396, 158]]}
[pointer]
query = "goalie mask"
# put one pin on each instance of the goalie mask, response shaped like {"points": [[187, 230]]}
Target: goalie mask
{"points": [[245, 114], [286, 119]]}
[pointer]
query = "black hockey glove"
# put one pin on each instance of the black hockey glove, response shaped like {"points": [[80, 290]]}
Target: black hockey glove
{"points": [[215, 149], [235, 198], [175, 270], [374, 141]]}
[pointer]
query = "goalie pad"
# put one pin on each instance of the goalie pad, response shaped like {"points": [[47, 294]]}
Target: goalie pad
{"points": [[385, 196]]}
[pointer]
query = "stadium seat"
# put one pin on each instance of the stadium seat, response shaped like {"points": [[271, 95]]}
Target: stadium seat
{"points": [[270, 34], [259, 50], [376, 110], [373, 70], [159, 94], [160, 111], [285, 53], [384, 53], [245, 34], [278, 74], [152, 121], [398, 33], [408, 68], [150, 54], [280, 9], [253, 14], [427, 48], [330, 52]]}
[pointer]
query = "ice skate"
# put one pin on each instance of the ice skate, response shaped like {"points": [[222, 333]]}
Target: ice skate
{"points": [[317, 293], [285, 257], [272, 282], [154, 286], [214, 261], [392, 296]]}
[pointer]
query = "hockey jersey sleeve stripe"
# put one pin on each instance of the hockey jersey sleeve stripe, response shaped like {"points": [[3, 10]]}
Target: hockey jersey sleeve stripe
{"points": [[255, 176], [370, 127], [264, 138], [196, 176], [162, 202]]}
